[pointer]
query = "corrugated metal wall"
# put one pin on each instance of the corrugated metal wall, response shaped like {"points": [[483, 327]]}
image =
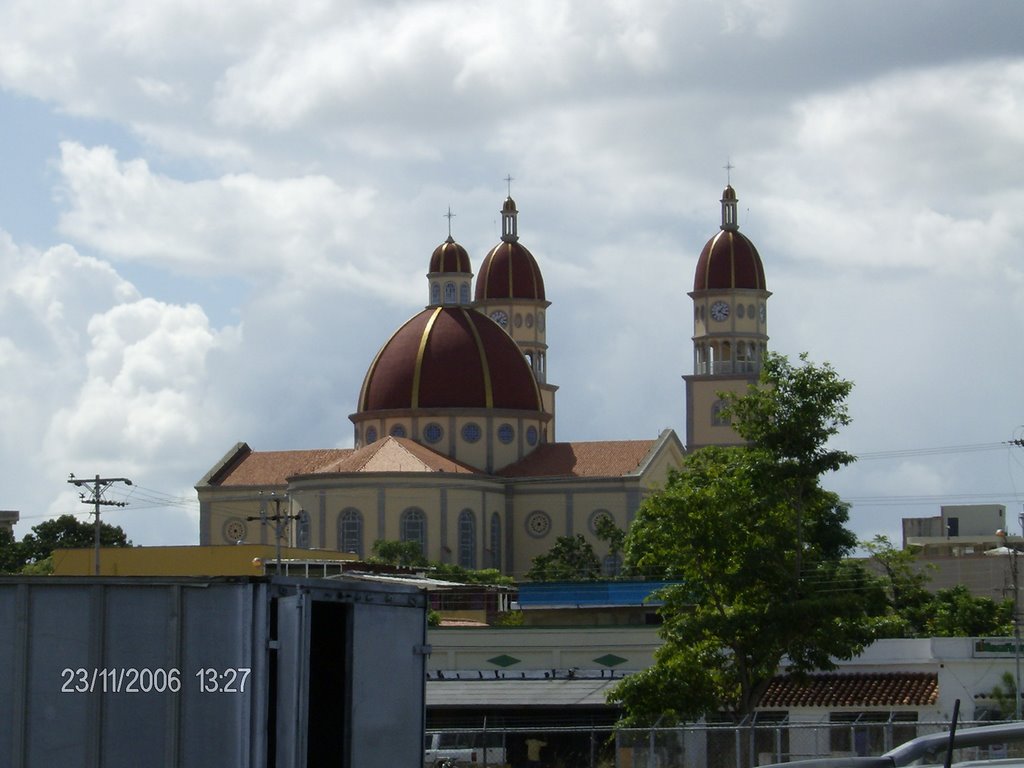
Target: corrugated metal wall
{"points": [[104, 673]]}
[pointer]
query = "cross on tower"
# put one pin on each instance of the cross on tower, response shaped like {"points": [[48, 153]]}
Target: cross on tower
{"points": [[728, 172], [449, 216], [508, 181]]}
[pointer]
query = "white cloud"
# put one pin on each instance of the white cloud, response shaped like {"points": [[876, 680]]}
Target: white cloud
{"points": [[243, 225], [142, 390], [271, 226]]}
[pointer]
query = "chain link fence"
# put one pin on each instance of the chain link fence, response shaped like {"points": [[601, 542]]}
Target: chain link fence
{"points": [[760, 741]]}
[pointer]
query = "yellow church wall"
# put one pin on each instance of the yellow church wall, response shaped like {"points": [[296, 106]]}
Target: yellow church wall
{"points": [[705, 395], [227, 518], [441, 503], [556, 501]]}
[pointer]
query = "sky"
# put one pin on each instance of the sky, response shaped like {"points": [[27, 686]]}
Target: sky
{"points": [[213, 214]]}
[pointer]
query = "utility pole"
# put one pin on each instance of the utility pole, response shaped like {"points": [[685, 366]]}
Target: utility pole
{"points": [[280, 524], [99, 486], [1001, 534]]}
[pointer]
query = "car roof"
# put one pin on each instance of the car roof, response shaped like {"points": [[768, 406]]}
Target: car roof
{"points": [[909, 753]]}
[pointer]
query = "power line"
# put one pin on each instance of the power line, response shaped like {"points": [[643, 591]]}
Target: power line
{"points": [[907, 452]]}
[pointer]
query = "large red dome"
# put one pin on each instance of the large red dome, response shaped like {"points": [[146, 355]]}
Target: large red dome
{"points": [[449, 357], [729, 260], [509, 271]]}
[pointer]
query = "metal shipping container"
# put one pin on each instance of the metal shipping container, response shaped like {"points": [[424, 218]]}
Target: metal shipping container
{"points": [[200, 672]]}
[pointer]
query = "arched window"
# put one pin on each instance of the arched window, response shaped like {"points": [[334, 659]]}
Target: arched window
{"points": [[414, 527], [449, 293], [611, 565], [496, 541], [302, 530], [467, 539], [464, 293], [719, 418], [435, 293], [350, 531]]}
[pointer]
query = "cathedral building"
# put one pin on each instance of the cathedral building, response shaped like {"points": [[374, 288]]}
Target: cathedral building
{"points": [[454, 434]]}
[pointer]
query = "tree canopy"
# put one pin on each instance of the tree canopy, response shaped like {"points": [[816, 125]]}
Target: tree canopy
{"points": [[759, 549], [64, 532], [915, 611], [571, 558]]}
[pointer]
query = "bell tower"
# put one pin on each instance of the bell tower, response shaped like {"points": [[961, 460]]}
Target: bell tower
{"points": [[510, 290], [730, 328]]}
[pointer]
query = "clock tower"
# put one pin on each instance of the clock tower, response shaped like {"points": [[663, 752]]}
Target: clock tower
{"points": [[510, 290], [730, 328]]}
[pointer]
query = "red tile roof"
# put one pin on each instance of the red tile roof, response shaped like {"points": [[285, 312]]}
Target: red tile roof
{"points": [[611, 458], [607, 458], [274, 467], [395, 454], [882, 689]]}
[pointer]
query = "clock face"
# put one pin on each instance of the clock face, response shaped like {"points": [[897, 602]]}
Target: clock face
{"points": [[719, 311], [501, 318]]}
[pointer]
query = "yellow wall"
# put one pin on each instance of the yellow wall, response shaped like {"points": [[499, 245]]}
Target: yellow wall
{"points": [[227, 560]]}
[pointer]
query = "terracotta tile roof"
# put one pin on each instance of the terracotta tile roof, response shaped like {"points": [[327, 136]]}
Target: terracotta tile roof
{"points": [[882, 689], [607, 458], [395, 454], [610, 458], [275, 467]]}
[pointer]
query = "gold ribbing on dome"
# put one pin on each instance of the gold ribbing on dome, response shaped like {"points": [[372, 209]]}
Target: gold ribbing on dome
{"points": [[484, 369], [424, 337], [511, 286], [364, 392]]}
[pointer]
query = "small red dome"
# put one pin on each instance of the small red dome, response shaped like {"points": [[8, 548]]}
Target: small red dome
{"points": [[509, 271], [449, 256], [729, 260], [449, 357]]}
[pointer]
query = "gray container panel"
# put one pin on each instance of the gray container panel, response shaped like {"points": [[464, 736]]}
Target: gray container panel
{"points": [[9, 668], [139, 667], [221, 679], [87, 668], [63, 719], [387, 685], [128, 675]]}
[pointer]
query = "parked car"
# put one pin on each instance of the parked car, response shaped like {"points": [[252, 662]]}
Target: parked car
{"points": [[443, 749], [931, 750]]}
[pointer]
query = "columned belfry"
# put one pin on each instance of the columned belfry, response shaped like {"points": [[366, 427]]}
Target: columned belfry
{"points": [[730, 328], [510, 290]]}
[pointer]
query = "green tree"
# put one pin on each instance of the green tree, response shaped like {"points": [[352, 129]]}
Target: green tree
{"points": [[572, 558], [12, 558], [68, 532], [452, 572], [401, 553], [759, 548], [607, 531], [955, 612], [1004, 693], [914, 611], [905, 581]]}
